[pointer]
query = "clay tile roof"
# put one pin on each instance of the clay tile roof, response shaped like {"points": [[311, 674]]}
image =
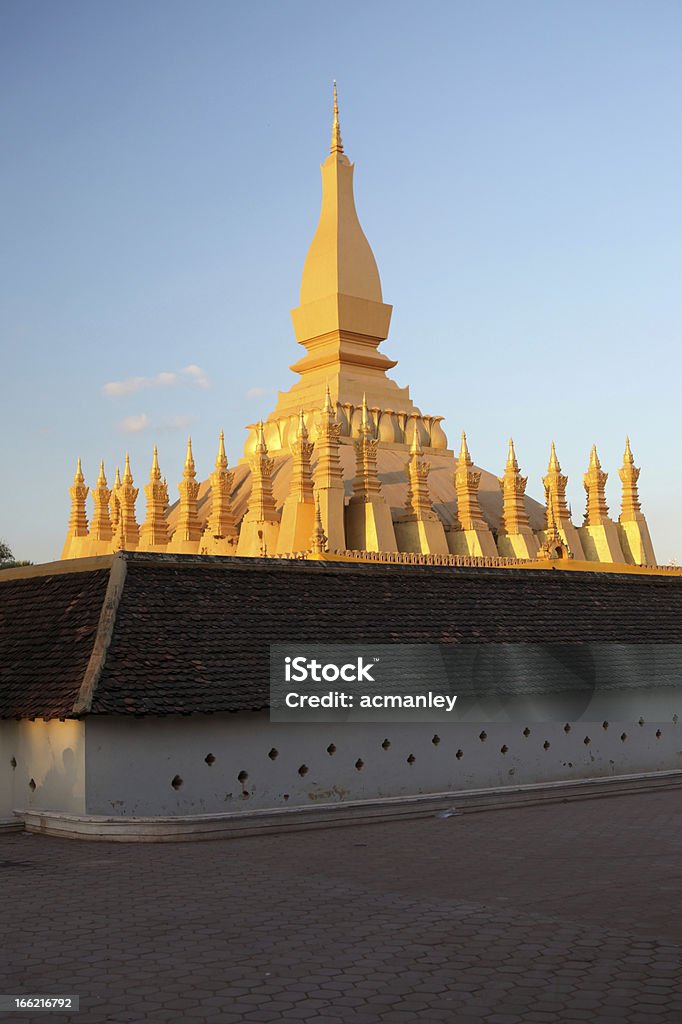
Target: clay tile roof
{"points": [[171, 634], [47, 631]]}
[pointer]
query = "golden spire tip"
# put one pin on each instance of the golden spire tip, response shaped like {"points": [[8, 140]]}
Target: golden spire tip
{"points": [[337, 144]]}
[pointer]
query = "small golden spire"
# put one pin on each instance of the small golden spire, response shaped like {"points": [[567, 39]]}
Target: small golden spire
{"points": [[631, 510], [365, 427], [302, 429], [337, 144], [155, 472], [221, 457], [511, 456], [553, 461], [78, 476], [319, 540], [101, 479], [467, 479], [189, 469], [117, 479], [464, 457], [594, 481], [514, 519], [328, 407], [127, 475], [415, 447], [261, 446]]}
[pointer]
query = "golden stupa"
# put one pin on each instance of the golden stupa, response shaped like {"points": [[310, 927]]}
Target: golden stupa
{"points": [[346, 465]]}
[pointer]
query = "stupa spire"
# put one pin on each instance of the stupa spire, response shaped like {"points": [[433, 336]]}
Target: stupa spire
{"points": [[221, 457], [365, 424], [189, 471], [188, 531], [514, 518], [555, 491], [337, 144], [155, 472], [467, 479], [220, 533], [631, 510], [318, 541], [464, 456], [341, 318], [418, 502], [128, 531], [633, 528], [302, 429], [78, 524], [100, 527], [77, 532], [558, 514], [512, 464], [260, 526], [329, 475], [114, 502], [594, 482], [154, 530]]}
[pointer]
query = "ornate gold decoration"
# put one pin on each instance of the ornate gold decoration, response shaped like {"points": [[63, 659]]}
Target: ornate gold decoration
{"points": [[100, 527], [594, 482], [514, 516]]}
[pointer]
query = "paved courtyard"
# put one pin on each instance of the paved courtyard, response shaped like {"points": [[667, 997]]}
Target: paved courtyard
{"points": [[562, 913]]}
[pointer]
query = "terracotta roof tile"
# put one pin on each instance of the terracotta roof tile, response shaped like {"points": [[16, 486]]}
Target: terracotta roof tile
{"points": [[193, 634]]}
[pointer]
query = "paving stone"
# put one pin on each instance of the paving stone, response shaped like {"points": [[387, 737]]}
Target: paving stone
{"points": [[505, 921]]}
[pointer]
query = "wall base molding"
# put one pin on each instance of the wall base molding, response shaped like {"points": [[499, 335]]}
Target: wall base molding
{"points": [[359, 812]]}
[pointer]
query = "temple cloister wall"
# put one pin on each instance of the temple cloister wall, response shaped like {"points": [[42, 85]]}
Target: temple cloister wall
{"points": [[43, 766], [226, 763]]}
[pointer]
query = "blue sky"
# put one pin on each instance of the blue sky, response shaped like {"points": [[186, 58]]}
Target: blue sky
{"points": [[517, 175]]}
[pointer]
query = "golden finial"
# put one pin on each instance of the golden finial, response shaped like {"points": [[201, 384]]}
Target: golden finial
{"points": [[260, 439], [155, 472], [189, 470], [464, 456], [302, 429], [101, 479], [337, 144], [319, 539], [553, 461], [628, 456], [328, 400], [415, 447], [78, 477], [511, 456], [127, 475], [221, 457], [594, 458], [365, 427], [117, 480]]}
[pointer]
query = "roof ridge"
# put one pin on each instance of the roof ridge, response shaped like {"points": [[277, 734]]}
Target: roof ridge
{"points": [[57, 568], [105, 629]]}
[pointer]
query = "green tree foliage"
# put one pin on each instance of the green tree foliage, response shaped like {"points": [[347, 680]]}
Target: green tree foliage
{"points": [[7, 559]]}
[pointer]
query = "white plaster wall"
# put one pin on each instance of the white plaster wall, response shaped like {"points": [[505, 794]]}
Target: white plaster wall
{"points": [[130, 763], [49, 754]]}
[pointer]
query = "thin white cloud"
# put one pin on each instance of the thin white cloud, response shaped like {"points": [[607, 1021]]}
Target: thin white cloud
{"points": [[141, 422], [175, 423], [199, 376], [134, 424], [257, 392], [190, 374]]}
